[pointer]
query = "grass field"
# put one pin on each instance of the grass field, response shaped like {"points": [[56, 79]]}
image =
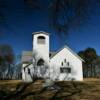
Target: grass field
{"points": [[89, 89]]}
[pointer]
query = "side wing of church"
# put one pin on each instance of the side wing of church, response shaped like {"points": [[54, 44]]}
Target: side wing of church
{"points": [[64, 64]]}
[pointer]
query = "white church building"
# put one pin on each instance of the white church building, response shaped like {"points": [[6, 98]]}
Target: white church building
{"points": [[64, 64]]}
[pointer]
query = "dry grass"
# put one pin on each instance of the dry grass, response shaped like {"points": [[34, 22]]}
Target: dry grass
{"points": [[10, 81], [89, 89], [91, 79]]}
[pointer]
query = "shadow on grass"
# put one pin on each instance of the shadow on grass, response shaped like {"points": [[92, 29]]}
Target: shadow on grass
{"points": [[21, 92], [74, 89]]}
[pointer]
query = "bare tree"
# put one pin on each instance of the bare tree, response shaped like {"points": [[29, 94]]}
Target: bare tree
{"points": [[7, 60], [65, 14]]}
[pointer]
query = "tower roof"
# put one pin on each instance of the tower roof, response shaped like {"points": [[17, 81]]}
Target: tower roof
{"points": [[40, 32]]}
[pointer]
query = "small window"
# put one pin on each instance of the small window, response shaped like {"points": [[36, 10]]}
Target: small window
{"points": [[28, 71], [65, 70], [65, 60], [41, 40], [68, 63], [62, 63]]}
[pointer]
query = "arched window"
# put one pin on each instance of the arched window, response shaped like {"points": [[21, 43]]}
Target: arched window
{"points": [[68, 63], [41, 40], [62, 63], [40, 62], [65, 60]]}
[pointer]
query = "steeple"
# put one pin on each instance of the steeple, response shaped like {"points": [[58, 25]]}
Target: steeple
{"points": [[41, 44]]}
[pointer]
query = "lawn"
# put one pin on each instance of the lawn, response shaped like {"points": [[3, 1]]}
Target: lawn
{"points": [[89, 89]]}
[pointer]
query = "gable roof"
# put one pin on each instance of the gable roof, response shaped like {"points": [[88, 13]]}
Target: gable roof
{"points": [[75, 54], [39, 32]]}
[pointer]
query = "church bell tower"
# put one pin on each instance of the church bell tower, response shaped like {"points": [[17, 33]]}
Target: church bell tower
{"points": [[41, 44]]}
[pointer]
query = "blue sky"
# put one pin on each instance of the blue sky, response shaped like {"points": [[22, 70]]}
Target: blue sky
{"points": [[22, 22]]}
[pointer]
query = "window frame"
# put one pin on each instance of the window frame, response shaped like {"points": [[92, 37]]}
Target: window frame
{"points": [[65, 70]]}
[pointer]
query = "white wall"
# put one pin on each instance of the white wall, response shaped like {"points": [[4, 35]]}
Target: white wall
{"points": [[25, 76], [76, 65], [42, 71], [42, 49]]}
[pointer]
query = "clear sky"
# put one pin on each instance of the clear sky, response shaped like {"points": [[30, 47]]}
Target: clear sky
{"points": [[22, 22]]}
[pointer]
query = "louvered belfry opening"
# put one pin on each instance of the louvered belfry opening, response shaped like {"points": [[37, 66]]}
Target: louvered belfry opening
{"points": [[41, 40]]}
